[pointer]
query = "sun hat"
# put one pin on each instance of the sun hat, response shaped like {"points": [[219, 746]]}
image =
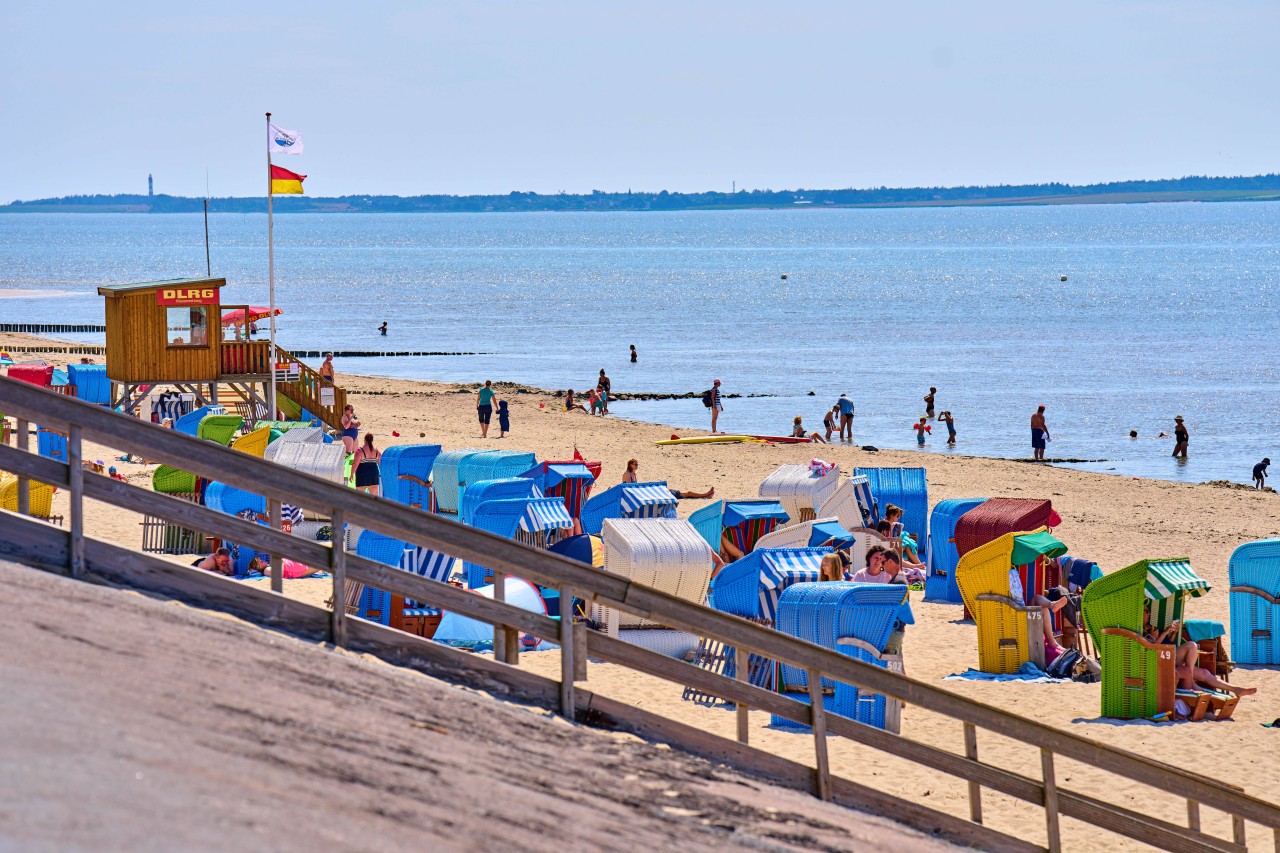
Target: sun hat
{"points": [[715, 382]]}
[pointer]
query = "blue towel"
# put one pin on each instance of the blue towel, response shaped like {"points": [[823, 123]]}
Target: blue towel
{"points": [[1028, 672]]}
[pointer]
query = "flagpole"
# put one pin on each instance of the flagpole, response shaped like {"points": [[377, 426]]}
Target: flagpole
{"points": [[271, 280]]}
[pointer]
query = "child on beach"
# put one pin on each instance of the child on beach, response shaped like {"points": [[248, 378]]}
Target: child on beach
{"points": [[1260, 473], [504, 419], [951, 426], [921, 427], [829, 421]]}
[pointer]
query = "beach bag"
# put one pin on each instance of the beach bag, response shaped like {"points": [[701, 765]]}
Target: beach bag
{"points": [[707, 397], [1064, 665]]}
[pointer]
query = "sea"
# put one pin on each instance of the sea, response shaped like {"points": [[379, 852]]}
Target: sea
{"points": [[1114, 317]]}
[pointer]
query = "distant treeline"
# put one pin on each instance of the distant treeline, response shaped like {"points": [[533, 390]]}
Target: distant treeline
{"points": [[1196, 188]]}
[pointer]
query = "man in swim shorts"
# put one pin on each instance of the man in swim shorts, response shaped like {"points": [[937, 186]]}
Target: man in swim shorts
{"points": [[1039, 433]]}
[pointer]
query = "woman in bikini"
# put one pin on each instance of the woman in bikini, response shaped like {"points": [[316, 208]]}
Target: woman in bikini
{"points": [[366, 466], [350, 428]]}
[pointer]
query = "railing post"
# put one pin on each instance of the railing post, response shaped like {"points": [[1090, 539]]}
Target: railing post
{"points": [[24, 485], [568, 670], [277, 563], [975, 790], [1237, 829], [75, 463], [338, 568], [740, 664], [818, 722], [506, 643], [1050, 801], [1193, 815]]}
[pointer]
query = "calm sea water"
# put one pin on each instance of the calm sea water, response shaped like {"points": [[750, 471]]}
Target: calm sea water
{"points": [[1167, 309]]}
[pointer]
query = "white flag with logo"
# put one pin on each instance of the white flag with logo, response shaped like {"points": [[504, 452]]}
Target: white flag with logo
{"points": [[284, 141]]}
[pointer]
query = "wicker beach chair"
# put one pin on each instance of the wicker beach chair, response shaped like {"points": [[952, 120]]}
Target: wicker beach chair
{"points": [[508, 488], [1254, 573], [745, 522], [800, 491], [534, 521], [377, 605], [907, 488], [569, 481], [220, 428], [493, 465], [294, 435], [170, 481], [254, 443], [326, 461], [1138, 677], [51, 444], [854, 619], [233, 501], [190, 422], [629, 500], [940, 585], [39, 496], [750, 587], [852, 503], [406, 473], [1009, 634], [91, 383], [864, 539], [663, 553], [445, 479]]}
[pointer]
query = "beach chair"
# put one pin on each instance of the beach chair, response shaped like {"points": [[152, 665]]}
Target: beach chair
{"points": [[813, 533], [750, 587], [233, 501], [405, 471], [286, 437], [254, 443], [1138, 677], [854, 619], [491, 465], [852, 503], [190, 422], [664, 553], [569, 481], [744, 521], [864, 539], [326, 461], [508, 488], [535, 521], [628, 500], [39, 496], [995, 517], [1254, 573], [907, 488], [800, 490], [51, 444], [220, 428], [396, 611], [1009, 634], [91, 383], [170, 481], [940, 585], [445, 479]]}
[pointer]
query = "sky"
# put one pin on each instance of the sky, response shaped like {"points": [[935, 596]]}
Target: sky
{"points": [[410, 98]]}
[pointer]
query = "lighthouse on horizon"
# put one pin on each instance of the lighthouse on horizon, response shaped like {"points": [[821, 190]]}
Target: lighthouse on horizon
{"points": [[151, 187]]}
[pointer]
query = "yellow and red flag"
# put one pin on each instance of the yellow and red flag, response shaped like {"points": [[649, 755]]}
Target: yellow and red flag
{"points": [[284, 182]]}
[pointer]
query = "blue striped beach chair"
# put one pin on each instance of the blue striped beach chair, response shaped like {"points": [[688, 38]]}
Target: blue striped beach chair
{"points": [[445, 479], [940, 585], [406, 473], [535, 521], [1254, 573], [492, 465], [854, 619], [508, 488], [377, 605], [629, 500], [569, 481]]}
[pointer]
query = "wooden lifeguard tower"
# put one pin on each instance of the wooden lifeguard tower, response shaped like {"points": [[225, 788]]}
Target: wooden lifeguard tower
{"points": [[171, 333]]}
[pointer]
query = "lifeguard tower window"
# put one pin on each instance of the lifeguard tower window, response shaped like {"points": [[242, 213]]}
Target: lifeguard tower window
{"points": [[187, 326]]}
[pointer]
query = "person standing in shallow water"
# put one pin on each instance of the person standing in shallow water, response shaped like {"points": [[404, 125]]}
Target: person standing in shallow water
{"points": [[1039, 433], [1180, 437], [634, 356], [928, 402]]}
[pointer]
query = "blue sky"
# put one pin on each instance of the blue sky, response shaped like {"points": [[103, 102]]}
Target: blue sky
{"points": [[408, 98]]}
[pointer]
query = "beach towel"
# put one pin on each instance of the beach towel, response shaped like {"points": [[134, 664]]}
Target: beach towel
{"points": [[1028, 673]]}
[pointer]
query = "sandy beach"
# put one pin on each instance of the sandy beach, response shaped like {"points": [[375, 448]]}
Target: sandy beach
{"points": [[1111, 519]]}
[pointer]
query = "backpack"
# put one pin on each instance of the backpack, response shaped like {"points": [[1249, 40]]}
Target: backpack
{"points": [[1064, 665], [707, 397]]}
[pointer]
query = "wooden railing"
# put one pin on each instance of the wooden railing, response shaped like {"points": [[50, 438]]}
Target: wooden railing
{"points": [[40, 543], [246, 358]]}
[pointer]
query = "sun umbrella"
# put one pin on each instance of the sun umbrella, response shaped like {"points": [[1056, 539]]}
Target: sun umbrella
{"points": [[256, 312]]}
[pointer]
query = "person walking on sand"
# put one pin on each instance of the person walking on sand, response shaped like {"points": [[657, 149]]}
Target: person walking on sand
{"points": [[1039, 434], [504, 419], [1180, 436], [717, 405], [928, 402], [846, 417], [484, 406], [634, 356], [365, 463], [326, 369], [1260, 473]]}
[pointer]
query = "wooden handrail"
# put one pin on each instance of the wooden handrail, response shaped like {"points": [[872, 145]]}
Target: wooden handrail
{"points": [[251, 473], [1007, 601], [1253, 590]]}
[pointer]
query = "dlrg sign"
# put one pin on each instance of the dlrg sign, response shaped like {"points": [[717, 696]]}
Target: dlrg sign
{"points": [[178, 296]]}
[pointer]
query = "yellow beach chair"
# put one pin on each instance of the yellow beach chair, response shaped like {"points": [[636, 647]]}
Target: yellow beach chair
{"points": [[41, 500], [254, 443]]}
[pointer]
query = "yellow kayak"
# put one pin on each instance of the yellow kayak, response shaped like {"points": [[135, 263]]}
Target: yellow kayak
{"points": [[711, 439]]}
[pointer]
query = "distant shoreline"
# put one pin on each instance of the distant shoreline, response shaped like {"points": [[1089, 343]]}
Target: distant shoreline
{"points": [[1171, 190]]}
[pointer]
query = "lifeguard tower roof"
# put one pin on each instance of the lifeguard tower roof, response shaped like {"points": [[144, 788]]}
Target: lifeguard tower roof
{"points": [[113, 289]]}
